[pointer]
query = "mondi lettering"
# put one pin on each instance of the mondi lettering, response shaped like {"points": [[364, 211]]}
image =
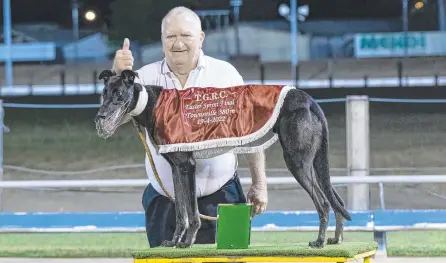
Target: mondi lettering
{"points": [[398, 41]]}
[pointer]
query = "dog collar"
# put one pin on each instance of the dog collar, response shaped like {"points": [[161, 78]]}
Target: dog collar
{"points": [[141, 103]]}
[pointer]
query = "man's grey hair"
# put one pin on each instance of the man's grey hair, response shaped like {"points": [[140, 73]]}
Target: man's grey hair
{"points": [[179, 11]]}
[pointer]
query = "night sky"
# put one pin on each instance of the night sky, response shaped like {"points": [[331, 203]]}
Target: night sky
{"points": [[59, 11]]}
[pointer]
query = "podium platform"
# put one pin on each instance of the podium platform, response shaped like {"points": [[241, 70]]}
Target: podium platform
{"points": [[299, 252]]}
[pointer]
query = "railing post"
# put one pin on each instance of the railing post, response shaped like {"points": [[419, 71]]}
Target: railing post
{"points": [[95, 81], [262, 73], [399, 66], [62, 81], [358, 149], [296, 81]]}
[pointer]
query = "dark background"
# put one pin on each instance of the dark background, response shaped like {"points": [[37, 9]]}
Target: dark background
{"points": [[59, 11]]}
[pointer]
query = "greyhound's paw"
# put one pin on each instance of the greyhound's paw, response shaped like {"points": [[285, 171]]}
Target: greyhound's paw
{"points": [[316, 244], [184, 245], [334, 241], [168, 243]]}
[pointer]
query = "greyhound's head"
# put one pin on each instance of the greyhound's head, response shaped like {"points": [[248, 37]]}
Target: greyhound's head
{"points": [[118, 99]]}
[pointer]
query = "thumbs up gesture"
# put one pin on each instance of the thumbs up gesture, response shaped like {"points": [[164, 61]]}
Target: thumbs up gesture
{"points": [[123, 58]]}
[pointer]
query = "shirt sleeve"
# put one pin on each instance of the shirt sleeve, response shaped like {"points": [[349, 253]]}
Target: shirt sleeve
{"points": [[139, 79], [237, 79]]}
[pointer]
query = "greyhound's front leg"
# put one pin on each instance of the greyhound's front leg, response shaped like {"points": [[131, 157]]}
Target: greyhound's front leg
{"points": [[180, 191], [188, 171]]}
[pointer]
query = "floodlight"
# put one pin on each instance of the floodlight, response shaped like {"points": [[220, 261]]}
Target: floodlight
{"points": [[303, 10], [90, 15], [284, 10], [419, 5]]}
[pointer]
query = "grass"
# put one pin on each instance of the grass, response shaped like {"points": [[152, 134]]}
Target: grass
{"points": [[71, 245], [345, 250]]}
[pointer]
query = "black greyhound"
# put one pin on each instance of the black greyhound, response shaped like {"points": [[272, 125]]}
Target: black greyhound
{"points": [[302, 131]]}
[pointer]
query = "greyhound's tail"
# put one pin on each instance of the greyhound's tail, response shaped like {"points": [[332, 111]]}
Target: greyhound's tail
{"points": [[322, 168]]}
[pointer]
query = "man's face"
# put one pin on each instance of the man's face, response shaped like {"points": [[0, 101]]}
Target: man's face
{"points": [[182, 40]]}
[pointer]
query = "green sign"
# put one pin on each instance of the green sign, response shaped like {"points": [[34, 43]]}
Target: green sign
{"points": [[388, 44], [392, 41]]}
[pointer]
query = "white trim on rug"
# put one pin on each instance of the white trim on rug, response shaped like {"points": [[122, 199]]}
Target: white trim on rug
{"points": [[141, 104], [237, 142]]}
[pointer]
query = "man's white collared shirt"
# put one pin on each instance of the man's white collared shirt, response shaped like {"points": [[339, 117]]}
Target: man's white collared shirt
{"points": [[211, 174]]}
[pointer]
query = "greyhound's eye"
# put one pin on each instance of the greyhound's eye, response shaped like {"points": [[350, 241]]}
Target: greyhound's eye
{"points": [[118, 93]]}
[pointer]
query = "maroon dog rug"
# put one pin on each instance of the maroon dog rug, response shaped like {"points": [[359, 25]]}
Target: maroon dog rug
{"points": [[237, 119]]}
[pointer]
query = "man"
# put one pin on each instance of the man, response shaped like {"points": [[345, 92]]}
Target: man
{"points": [[186, 66]]}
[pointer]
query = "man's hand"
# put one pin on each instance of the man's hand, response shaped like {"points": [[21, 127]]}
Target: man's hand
{"points": [[258, 193], [258, 197], [123, 58]]}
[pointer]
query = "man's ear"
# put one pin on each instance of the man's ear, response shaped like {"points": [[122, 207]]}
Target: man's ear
{"points": [[202, 36], [129, 76], [105, 75]]}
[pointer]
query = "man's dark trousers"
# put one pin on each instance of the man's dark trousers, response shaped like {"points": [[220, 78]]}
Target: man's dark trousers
{"points": [[160, 212]]}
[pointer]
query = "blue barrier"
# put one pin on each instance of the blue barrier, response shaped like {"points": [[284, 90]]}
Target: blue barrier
{"points": [[275, 220], [402, 219], [134, 221]]}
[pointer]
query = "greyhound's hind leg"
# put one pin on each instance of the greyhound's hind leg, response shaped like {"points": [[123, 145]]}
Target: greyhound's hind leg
{"points": [[307, 180], [192, 204], [179, 170], [339, 232], [300, 137]]}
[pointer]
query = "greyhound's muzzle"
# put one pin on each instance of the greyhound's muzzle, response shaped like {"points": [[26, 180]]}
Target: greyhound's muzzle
{"points": [[99, 117], [107, 121]]}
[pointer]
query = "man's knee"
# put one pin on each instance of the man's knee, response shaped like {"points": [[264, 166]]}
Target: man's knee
{"points": [[159, 210], [159, 218]]}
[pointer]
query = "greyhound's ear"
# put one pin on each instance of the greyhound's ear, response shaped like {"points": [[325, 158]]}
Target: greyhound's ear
{"points": [[129, 75], [106, 74], [138, 87]]}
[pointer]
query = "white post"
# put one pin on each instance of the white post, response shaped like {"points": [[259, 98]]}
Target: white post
{"points": [[358, 149]]}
